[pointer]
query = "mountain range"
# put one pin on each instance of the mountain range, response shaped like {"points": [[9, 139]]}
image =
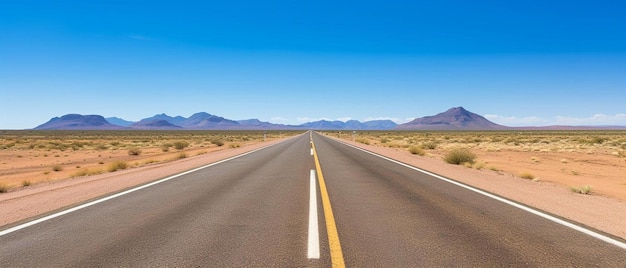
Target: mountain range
{"points": [[457, 118]]}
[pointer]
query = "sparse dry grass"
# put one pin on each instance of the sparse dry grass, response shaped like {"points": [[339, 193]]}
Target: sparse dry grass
{"points": [[563, 157], [585, 189], [527, 175], [38, 156], [117, 165]]}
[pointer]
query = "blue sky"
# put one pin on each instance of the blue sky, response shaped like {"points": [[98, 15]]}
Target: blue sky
{"points": [[515, 62]]}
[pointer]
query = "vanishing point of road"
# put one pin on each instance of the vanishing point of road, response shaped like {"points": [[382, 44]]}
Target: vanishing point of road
{"points": [[309, 201]]}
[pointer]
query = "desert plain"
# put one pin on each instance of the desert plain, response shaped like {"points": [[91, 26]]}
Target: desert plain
{"points": [[579, 175], [595, 160], [34, 157]]}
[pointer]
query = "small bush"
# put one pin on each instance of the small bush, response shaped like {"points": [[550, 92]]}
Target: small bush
{"points": [[118, 165], [585, 189], [134, 151], [3, 188], [459, 156], [527, 175], [478, 165], [363, 140], [165, 147], [182, 155], [219, 143], [430, 145], [26, 183], [235, 145], [179, 145], [416, 150], [598, 140], [57, 168], [87, 172]]}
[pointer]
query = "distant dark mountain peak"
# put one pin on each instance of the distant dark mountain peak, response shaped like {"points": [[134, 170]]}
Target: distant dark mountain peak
{"points": [[173, 120], [457, 118], [78, 122], [155, 124], [204, 120]]}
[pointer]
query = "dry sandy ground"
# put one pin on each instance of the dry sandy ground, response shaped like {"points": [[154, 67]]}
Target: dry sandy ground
{"points": [[598, 211]]}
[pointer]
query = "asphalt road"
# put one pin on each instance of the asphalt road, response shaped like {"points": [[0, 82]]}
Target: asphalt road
{"points": [[254, 211]]}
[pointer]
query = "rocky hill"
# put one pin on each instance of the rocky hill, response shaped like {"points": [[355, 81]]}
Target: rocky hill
{"points": [[456, 118], [79, 122]]}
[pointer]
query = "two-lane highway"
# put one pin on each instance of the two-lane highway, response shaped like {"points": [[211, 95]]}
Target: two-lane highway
{"points": [[254, 210]]}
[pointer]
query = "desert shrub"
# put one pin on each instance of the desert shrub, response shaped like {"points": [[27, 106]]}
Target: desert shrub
{"points": [[87, 172], [479, 165], [459, 155], [219, 143], [134, 151], [384, 140], [179, 145], [416, 150], [26, 183], [598, 140], [165, 147], [430, 145], [527, 175], [363, 140], [235, 145], [182, 155], [585, 189], [57, 168], [3, 188], [117, 165]]}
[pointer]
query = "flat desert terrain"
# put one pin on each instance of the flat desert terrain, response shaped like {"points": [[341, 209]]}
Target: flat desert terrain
{"points": [[33, 157], [595, 160]]}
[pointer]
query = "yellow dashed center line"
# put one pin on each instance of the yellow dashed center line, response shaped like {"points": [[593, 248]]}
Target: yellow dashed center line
{"points": [[336, 255]]}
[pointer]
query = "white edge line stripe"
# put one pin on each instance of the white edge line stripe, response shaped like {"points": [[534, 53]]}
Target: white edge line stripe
{"points": [[314, 237], [61, 213], [508, 202]]}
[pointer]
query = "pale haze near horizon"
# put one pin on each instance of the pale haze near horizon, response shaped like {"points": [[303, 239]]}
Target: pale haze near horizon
{"points": [[525, 64]]}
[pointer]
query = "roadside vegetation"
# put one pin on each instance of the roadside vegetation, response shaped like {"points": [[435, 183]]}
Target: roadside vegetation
{"points": [[530, 155], [29, 157], [585, 189]]}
